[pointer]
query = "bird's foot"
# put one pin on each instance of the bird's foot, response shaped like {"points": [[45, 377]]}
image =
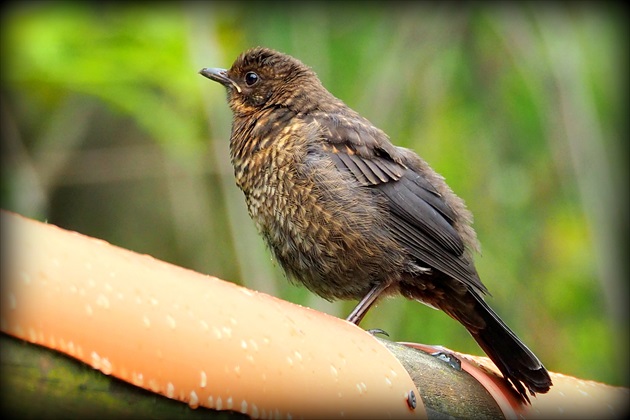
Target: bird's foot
{"points": [[448, 357], [375, 331]]}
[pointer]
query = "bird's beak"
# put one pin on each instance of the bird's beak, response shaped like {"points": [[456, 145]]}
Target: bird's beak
{"points": [[219, 75]]}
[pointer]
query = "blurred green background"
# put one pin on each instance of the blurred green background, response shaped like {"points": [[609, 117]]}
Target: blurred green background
{"points": [[107, 129]]}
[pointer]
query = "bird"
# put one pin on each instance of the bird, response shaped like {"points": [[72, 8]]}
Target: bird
{"points": [[350, 215]]}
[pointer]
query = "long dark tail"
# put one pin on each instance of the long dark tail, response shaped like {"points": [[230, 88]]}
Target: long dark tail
{"points": [[515, 361]]}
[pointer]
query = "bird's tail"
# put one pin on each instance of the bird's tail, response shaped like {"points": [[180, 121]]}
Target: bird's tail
{"points": [[515, 361]]}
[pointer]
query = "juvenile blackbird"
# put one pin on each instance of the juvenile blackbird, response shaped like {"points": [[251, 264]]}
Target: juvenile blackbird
{"points": [[349, 214]]}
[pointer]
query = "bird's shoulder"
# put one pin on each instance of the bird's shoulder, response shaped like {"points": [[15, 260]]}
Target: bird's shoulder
{"points": [[357, 146]]}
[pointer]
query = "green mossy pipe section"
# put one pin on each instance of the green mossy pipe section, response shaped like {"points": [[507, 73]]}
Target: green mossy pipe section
{"points": [[37, 382], [445, 391], [40, 383]]}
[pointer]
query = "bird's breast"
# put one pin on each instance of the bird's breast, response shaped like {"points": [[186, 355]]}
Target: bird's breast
{"points": [[323, 228]]}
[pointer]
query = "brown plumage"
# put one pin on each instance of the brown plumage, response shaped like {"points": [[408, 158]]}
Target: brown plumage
{"points": [[350, 215]]}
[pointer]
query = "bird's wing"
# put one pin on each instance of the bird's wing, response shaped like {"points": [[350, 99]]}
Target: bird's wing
{"points": [[421, 220]]}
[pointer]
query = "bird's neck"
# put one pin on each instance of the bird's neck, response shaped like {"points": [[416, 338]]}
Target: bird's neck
{"points": [[253, 133], [251, 136]]}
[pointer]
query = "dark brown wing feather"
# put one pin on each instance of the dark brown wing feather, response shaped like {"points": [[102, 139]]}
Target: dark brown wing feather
{"points": [[421, 220]]}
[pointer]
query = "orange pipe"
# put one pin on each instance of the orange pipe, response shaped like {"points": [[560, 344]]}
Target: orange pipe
{"points": [[192, 337]]}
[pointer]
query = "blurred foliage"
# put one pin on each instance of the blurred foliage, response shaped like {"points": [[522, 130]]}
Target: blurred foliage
{"points": [[108, 130]]}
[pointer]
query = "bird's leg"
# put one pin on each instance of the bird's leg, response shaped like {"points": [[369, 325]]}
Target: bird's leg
{"points": [[366, 303]]}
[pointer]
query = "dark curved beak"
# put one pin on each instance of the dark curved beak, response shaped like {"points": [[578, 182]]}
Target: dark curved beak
{"points": [[219, 75]]}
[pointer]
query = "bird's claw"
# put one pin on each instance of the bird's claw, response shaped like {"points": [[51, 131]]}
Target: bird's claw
{"points": [[375, 331], [449, 358]]}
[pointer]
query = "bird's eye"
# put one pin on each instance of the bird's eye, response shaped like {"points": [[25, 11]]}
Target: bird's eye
{"points": [[251, 78]]}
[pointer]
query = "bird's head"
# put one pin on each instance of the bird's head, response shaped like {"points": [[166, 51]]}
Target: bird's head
{"points": [[261, 77]]}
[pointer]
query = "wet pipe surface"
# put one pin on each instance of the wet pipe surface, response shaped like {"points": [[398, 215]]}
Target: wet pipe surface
{"points": [[210, 344]]}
